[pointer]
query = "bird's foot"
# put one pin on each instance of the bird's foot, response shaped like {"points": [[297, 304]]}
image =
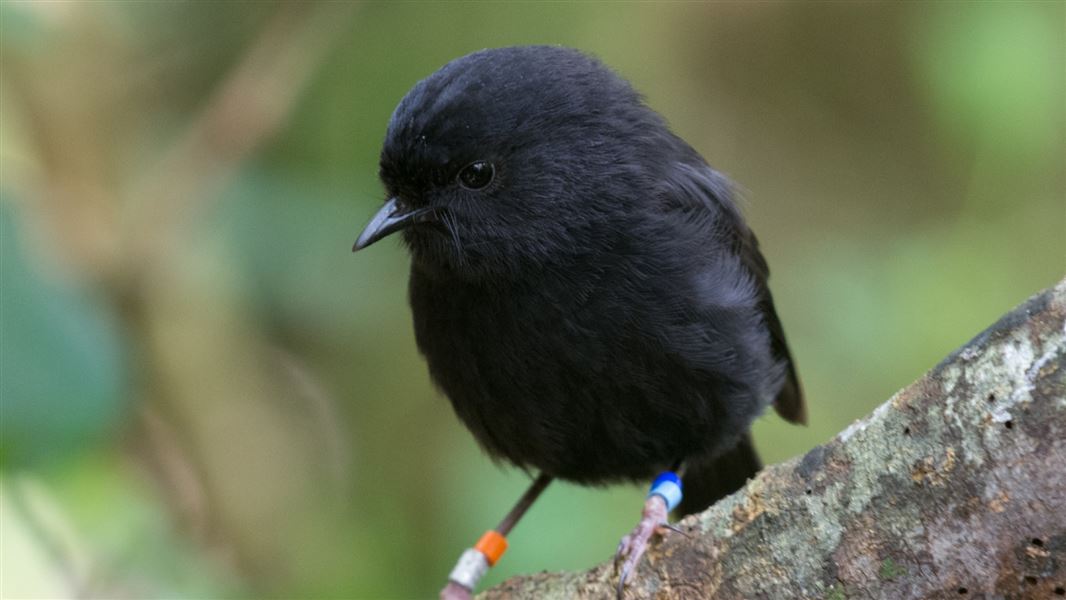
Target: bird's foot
{"points": [[635, 543], [454, 591]]}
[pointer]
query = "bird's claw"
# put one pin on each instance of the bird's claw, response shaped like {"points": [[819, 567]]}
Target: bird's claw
{"points": [[635, 543], [675, 529]]}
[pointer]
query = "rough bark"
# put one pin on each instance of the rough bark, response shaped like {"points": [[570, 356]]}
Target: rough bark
{"points": [[955, 487]]}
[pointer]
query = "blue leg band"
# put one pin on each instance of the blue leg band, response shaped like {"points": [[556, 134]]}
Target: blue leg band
{"points": [[668, 487]]}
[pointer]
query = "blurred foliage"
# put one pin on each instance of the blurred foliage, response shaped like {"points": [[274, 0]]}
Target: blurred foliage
{"points": [[205, 395], [62, 384]]}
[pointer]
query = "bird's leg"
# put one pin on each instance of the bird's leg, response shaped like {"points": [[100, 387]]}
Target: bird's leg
{"points": [[475, 562], [664, 496]]}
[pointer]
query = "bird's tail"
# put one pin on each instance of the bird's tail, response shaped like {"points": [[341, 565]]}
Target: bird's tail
{"points": [[704, 483]]}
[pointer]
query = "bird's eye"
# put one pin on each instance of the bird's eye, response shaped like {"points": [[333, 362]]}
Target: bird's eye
{"points": [[476, 175]]}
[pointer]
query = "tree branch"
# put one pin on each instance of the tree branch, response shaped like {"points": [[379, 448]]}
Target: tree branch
{"points": [[955, 487]]}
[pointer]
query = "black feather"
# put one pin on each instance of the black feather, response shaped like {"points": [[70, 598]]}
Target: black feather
{"points": [[600, 310]]}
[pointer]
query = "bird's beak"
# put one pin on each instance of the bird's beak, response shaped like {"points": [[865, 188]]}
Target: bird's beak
{"points": [[391, 218]]}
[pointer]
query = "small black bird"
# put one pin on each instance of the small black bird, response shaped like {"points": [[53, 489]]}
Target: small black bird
{"points": [[583, 287]]}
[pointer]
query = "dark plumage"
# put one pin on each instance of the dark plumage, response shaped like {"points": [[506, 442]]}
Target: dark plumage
{"points": [[598, 310]]}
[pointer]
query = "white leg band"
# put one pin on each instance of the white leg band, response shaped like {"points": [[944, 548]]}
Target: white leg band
{"points": [[471, 567]]}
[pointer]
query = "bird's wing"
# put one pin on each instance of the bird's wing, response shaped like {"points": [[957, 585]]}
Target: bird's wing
{"points": [[715, 191], [789, 402]]}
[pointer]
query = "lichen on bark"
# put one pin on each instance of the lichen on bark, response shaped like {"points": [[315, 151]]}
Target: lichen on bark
{"points": [[955, 487]]}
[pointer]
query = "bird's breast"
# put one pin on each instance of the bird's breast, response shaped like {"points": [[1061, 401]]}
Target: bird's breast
{"points": [[565, 376]]}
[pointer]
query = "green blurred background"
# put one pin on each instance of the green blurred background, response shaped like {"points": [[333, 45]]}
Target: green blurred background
{"points": [[206, 395]]}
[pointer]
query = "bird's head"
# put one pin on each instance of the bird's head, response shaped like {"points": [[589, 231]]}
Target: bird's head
{"points": [[512, 158]]}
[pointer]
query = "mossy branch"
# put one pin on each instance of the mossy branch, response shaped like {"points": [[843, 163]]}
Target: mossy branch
{"points": [[955, 487]]}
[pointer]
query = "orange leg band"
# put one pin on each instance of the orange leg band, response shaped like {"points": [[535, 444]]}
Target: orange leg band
{"points": [[492, 545]]}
